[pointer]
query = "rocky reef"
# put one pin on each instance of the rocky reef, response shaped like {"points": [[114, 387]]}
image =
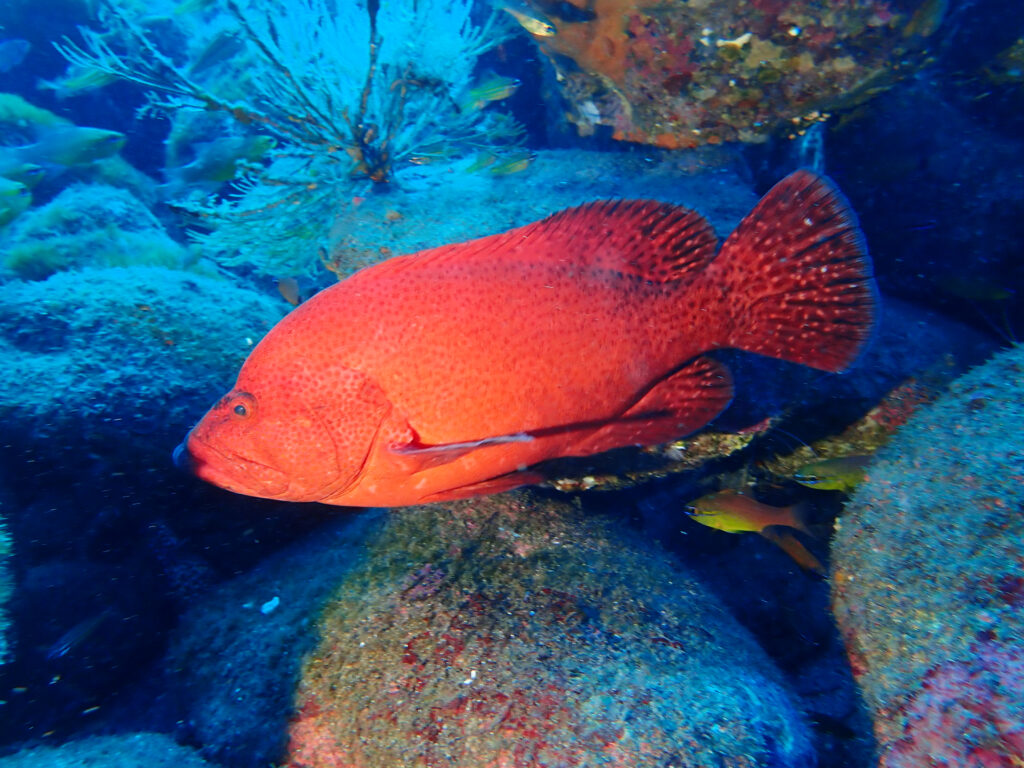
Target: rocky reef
{"points": [[927, 585], [509, 630], [684, 74]]}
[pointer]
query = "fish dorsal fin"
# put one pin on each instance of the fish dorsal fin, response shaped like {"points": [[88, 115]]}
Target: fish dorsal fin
{"points": [[654, 241], [644, 239]]}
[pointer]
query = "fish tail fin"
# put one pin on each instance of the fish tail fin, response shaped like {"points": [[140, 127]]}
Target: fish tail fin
{"points": [[797, 277], [799, 514]]}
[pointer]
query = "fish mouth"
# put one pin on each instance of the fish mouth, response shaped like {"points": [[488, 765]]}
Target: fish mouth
{"points": [[230, 470]]}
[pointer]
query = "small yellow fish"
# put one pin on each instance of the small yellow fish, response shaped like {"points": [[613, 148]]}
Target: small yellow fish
{"points": [[840, 474], [77, 79], [11, 168], [218, 161], [71, 145], [732, 512], [223, 47], [926, 19], [974, 288], [512, 164], [15, 197], [531, 20], [483, 159], [491, 87]]}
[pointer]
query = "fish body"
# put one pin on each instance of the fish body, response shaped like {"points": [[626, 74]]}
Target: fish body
{"points": [[482, 160], [11, 168], [530, 19], [70, 145], [506, 166], [491, 87], [224, 46], [733, 512], [77, 635], [218, 161], [453, 371], [77, 80], [839, 474]]}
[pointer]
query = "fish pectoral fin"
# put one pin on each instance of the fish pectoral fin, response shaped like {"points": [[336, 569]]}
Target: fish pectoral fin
{"points": [[416, 456], [788, 543], [675, 406]]}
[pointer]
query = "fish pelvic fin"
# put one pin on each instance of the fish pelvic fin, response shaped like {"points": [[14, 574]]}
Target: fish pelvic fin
{"points": [[792, 546], [681, 403], [797, 277]]}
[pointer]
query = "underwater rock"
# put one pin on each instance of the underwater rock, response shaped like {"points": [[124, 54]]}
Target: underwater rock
{"points": [[684, 74], [137, 351], [235, 657], [515, 631], [927, 585], [88, 225], [132, 750], [507, 628]]}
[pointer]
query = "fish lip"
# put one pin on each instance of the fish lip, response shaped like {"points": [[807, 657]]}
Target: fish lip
{"points": [[240, 465]]}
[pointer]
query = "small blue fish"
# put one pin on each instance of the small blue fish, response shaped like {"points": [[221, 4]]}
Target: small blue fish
{"points": [[77, 635]]}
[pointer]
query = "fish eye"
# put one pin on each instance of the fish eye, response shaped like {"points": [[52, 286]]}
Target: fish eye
{"points": [[807, 478], [242, 405]]}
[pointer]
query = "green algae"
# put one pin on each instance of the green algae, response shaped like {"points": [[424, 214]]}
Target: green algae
{"points": [[89, 226]]}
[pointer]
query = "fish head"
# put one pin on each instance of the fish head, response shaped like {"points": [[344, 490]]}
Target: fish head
{"points": [[294, 435], [722, 511], [705, 514]]}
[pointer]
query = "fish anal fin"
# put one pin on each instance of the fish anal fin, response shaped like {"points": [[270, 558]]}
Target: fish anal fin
{"points": [[677, 405], [784, 539]]}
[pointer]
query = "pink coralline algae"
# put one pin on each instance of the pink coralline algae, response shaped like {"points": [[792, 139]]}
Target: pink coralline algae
{"points": [[968, 714]]}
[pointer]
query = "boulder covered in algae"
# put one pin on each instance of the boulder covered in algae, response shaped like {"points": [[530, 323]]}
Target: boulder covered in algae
{"points": [[683, 74], [927, 584], [514, 631]]}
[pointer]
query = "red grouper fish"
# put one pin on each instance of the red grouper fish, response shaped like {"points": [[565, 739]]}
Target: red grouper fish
{"points": [[451, 372]]}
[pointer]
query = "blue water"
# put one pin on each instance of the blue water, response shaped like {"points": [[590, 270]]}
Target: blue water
{"points": [[175, 181]]}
